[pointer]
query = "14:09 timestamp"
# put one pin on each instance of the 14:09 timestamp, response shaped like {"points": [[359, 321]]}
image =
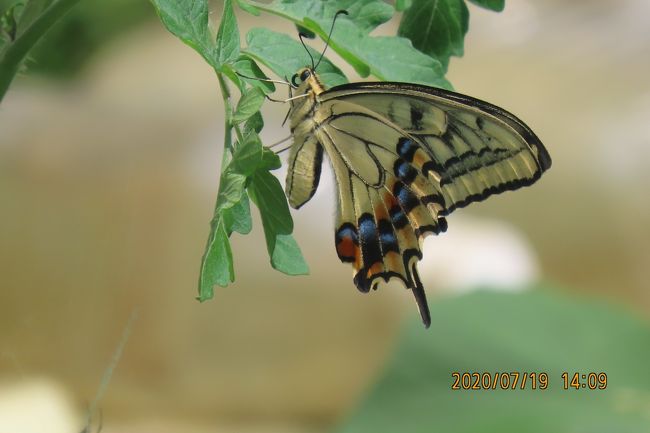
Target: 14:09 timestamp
{"points": [[584, 381]]}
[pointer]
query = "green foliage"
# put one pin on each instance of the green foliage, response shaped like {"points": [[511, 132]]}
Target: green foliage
{"points": [[217, 265], [74, 37], [495, 5], [438, 27], [390, 58], [287, 258], [228, 36], [188, 20], [402, 5], [248, 156], [9, 23], [284, 56], [266, 192], [246, 67], [21, 26], [247, 164], [538, 331], [249, 104]]}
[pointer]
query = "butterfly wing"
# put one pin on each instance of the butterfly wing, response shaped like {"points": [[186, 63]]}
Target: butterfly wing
{"points": [[403, 157], [476, 148]]}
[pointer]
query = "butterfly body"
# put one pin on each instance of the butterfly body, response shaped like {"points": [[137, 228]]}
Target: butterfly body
{"points": [[404, 156]]}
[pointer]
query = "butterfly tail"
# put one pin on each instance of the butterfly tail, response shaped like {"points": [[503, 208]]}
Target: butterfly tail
{"points": [[420, 296]]}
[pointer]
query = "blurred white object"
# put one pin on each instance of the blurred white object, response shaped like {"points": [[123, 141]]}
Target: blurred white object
{"points": [[478, 253], [36, 406]]}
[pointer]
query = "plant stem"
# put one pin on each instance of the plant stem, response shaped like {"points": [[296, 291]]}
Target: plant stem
{"points": [[15, 51], [227, 139], [228, 125]]}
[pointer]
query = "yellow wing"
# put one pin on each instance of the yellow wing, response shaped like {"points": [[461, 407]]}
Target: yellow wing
{"points": [[404, 156], [476, 148]]}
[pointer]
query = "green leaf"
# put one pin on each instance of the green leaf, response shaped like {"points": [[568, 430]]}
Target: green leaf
{"points": [[254, 123], [216, 265], [24, 31], [270, 199], [266, 192], [285, 56], [227, 36], [248, 68], [537, 331], [316, 17], [494, 5], [367, 14], [247, 7], [436, 28], [402, 5], [249, 104], [75, 39], [287, 257], [238, 217], [188, 20], [305, 31], [270, 160], [248, 155], [344, 41], [8, 22], [404, 63], [387, 58], [229, 71], [26, 12], [231, 189]]}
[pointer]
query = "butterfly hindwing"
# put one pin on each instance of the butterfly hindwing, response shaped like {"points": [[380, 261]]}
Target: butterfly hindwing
{"points": [[394, 204], [303, 175]]}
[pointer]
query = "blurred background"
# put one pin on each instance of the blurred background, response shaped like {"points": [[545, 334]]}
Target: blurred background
{"points": [[109, 159]]}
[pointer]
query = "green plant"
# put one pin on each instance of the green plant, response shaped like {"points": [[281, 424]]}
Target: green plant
{"points": [[22, 24], [414, 56], [65, 37]]}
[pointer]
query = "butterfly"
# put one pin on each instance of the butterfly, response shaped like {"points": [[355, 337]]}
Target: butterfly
{"points": [[404, 156]]}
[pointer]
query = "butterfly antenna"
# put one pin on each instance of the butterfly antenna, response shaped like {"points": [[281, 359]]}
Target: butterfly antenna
{"points": [[300, 36], [327, 43], [266, 80]]}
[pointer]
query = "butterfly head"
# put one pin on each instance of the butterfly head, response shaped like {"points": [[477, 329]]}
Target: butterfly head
{"points": [[306, 80]]}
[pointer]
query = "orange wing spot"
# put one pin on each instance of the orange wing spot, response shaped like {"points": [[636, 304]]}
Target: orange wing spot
{"points": [[347, 249], [358, 261], [389, 199], [380, 212], [419, 159], [377, 268]]}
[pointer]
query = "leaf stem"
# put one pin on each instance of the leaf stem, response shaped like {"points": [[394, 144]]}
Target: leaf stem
{"points": [[14, 52], [225, 94]]}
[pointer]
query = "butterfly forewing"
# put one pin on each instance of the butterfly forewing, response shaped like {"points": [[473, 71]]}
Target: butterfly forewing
{"points": [[477, 149]]}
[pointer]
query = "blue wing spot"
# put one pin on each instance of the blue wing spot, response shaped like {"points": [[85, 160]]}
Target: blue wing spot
{"points": [[369, 240], [404, 171], [398, 218], [406, 148], [387, 237], [406, 198]]}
